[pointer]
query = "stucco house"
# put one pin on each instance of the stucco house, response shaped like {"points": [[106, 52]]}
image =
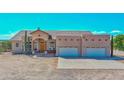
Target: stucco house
{"points": [[63, 43]]}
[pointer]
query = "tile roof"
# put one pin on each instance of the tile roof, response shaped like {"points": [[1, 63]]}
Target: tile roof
{"points": [[67, 33], [19, 35]]}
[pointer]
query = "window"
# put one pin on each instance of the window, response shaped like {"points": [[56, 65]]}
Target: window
{"points": [[71, 39], [49, 48], [77, 39], [17, 44], [86, 39], [30, 46], [52, 42], [106, 40], [99, 39], [65, 39], [92, 39]]}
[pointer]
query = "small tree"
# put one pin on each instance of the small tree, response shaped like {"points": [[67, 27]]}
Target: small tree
{"points": [[119, 42], [5, 46]]}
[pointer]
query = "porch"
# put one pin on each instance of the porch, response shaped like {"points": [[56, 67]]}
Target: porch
{"points": [[40, 47]]}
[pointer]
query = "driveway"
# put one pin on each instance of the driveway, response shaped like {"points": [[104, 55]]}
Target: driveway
{"points": [[91, 63], [22, 67]]}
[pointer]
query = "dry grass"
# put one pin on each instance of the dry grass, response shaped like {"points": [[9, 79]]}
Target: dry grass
{"points": [[21, 67]]}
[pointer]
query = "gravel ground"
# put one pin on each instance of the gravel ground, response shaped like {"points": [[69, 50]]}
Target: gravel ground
{"points": [[22, 67]]}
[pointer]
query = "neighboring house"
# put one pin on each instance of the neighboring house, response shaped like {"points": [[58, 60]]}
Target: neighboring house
{"points": [[63, 43]]}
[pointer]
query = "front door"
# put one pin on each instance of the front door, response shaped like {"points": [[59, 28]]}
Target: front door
{"points": [[42, 46]]}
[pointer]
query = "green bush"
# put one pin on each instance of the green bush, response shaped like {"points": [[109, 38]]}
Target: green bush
{"points": [[119, 42], [5, 45]]}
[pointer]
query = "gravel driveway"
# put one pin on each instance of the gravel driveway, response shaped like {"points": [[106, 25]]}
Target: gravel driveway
{"points": [[21, 67]]}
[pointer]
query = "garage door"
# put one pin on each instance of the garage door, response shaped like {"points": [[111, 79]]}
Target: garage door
{"points": [[95, 52], [68, 52]]}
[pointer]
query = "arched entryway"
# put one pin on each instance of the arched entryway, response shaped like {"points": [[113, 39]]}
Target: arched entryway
{"points": [[39, 45]]}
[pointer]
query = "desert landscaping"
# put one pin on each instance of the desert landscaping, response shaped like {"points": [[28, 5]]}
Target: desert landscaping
{"points": [[23, 67]]}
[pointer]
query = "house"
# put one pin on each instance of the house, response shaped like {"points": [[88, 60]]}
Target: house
{"points": [[63, 43]]}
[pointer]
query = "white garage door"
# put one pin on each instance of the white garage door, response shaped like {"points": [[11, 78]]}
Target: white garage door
{"points": [[95, 52], [68, 52]]}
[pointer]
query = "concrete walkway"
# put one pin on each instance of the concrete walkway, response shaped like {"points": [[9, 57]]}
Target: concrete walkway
{"points": [[68, 63]]}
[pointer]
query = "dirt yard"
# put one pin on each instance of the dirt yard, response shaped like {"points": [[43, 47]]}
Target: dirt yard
{"points": [[22, 67]]}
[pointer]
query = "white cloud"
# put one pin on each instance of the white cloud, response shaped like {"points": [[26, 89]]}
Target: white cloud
{"points": [[99, 32], [115, 31], [6, 36]]}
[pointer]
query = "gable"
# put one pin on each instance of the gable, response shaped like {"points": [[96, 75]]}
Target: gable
{"points": [[39, 34], [20, 34]]}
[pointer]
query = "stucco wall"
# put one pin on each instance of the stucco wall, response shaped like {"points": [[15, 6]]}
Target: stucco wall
{"points": [[39, 34], [68, 41], [96, 41], [51, 44], [83, 42], [17, 49]]}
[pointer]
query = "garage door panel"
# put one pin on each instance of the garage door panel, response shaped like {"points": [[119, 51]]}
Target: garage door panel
{"points": [[68, 52], [95, 52]]}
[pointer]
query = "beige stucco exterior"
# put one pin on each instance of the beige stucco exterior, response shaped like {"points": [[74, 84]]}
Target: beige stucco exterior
{"points": [[39, 35], [79, 41], [68, 41], [83, 42], [16, 49], [96, 41]]}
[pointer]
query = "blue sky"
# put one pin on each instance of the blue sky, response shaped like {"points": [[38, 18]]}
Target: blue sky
{"points": [[98, 23]]}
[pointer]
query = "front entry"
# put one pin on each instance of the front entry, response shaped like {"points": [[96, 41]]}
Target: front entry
{"points": [[42, 46], [39, 45]]}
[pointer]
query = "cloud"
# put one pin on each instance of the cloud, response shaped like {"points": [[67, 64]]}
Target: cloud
{"points": [[6, 36], [99, 32], [115, 31]]}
